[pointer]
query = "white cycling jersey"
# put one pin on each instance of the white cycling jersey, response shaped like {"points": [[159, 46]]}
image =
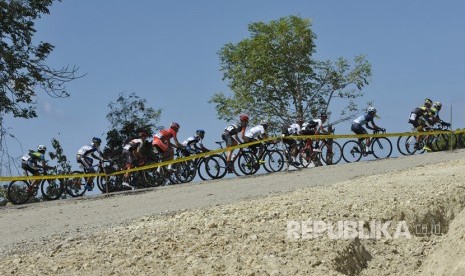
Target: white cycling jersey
{"points": [[134, 143], [256, 132], [293, 129], [88, 150], [192, 141]]}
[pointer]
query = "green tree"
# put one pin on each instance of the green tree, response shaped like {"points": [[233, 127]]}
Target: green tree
{"points": [[23, 69], [22, 64], [128, 116], [273, 75]]}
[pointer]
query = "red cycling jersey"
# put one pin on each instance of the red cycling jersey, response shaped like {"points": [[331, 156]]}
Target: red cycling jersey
{"points": [[162, 139]]}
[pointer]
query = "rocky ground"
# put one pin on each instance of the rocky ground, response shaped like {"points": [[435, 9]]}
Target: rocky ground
{"points": [[268, 225]]}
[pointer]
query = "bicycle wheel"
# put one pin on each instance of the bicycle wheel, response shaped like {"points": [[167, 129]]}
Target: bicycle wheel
{"points": [[113, 182], [201, 169], [76, 186], [351, 151], [51, 189], [381, 147], [333, 156], [215, 166], [403, 144], [18, 192], [412, 147], [248, 162], [185, 171], [274, 161]]}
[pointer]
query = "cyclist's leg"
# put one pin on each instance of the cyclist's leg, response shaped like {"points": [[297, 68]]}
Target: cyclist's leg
{"points": [[230, 142], [87, 164], [31, 168], [128, 166]]}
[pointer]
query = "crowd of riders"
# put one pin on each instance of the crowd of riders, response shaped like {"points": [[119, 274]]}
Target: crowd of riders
{"points": [[421, 118]]}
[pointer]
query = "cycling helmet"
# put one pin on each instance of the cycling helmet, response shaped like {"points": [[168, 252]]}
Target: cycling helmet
{"points": [[371, 110], [264, 122], [41, 148], [200, 132], [299, 121], [437, 105], [244, 118], [96, 140], [428, 102], [175, 126]]}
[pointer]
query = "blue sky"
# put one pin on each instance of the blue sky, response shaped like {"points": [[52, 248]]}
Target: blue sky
{"points": [[166, 52]]}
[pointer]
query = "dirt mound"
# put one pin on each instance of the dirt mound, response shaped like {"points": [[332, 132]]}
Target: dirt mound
{"points": [[399, 223]]}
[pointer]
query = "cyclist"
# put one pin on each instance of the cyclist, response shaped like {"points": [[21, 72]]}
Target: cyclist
{"points": [[193, 144], [435, 114], [357, 127], [29, 162], [133, 153], [162, 142], [421, 118], [84, 155], [231, 137], [293, 129], [256, 133], [314, 127]]}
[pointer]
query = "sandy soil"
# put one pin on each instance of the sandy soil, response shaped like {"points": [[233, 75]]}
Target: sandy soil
{"points": [[256, 225]]}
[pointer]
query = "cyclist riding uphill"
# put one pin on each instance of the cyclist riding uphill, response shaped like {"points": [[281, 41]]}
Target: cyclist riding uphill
{"points": [[231, 136], [256, 133], [84, 155], [314, 127], [357, 126], [293, 129], [29, 162], [421, 116], [193, 144], [162, 142], [133, 153], [435, 114]]}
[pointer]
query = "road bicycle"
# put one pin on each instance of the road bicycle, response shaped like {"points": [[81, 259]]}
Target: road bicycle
{"points": [[22, 191], [353, 150], [270, 157], [408, 145], [78, 186], [326, 151], [244, 162], [187, 170]]}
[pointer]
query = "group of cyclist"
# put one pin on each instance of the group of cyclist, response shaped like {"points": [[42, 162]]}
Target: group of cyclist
{"points": [[421, 118]]}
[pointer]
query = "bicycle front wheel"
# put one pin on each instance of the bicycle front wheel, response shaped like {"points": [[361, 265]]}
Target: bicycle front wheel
{"points": [[109, 182], [186, 171], [402, 144], [351, 151], [274, 161], [331, 154], [215, 166], [381, 147], [18, 192], [51, 189], [76, 186], [248, 163]]}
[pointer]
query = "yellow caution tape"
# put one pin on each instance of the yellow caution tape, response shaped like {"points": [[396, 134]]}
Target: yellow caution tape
{"points": [[219, 151]]}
